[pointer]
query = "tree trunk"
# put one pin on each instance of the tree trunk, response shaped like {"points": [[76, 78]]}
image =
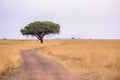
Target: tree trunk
{"points": [[40, 37], [41, 40]]}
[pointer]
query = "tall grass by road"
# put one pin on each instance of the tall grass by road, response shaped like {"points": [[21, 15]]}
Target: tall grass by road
{"points": [[89, 59], [10, 57]]}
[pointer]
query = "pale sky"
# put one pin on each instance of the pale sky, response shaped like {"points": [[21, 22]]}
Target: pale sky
{"points": [[97, 19]]}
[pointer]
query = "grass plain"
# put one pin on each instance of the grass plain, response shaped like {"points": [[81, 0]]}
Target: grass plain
{"points": [[10, 57], [89, 59]]}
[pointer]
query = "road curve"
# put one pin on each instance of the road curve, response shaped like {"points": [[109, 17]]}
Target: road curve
{"points": [[37, 67]]}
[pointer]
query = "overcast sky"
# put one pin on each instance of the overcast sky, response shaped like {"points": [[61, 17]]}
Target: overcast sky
{"points": [[78, 18]]}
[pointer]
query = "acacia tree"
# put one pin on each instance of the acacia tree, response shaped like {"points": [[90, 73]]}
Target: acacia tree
{"points": [[40, 29]]}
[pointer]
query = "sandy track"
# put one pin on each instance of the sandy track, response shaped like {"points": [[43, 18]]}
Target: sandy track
{"points": [[37, 67]]}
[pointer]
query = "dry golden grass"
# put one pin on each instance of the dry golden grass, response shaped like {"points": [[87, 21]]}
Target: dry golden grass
{"points": [[10, 57], [90, 59]]}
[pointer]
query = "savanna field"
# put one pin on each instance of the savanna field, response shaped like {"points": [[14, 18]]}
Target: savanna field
{"points": [[89, 59]]}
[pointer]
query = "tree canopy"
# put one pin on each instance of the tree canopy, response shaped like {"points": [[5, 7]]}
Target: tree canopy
{"points": [[40, 29]]}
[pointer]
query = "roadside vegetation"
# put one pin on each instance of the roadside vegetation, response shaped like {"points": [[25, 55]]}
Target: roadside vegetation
{"points": [[89, 59], [10, 57]]}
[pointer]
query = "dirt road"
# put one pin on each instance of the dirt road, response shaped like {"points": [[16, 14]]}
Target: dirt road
{"points": [[37, 67]]}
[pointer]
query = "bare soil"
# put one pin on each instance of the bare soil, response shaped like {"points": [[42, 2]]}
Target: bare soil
{"points": [[37, 67]]}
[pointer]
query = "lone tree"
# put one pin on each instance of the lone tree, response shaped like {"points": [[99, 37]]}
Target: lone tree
{"points": [[40, 29]]}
